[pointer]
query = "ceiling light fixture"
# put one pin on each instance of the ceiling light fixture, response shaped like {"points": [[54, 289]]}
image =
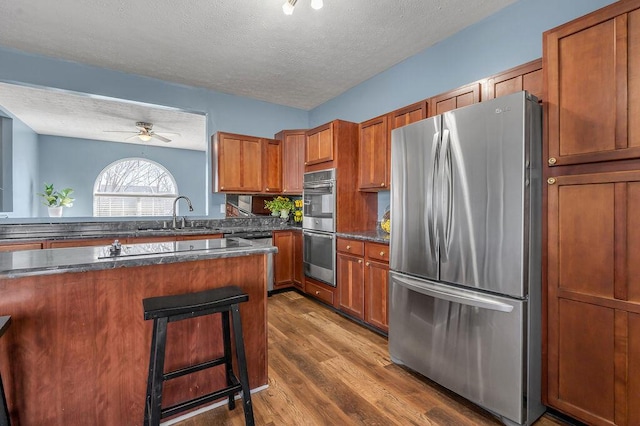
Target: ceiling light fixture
{"points": [[289, 5], [144, 137]]}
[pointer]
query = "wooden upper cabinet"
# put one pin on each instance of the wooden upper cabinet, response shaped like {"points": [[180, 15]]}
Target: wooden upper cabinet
{"points": [[592, 70], [319, 145], [524, 77], [239, 163], [293, 142], [407, 115], [374, 155], [457, 98], [272, 165]]}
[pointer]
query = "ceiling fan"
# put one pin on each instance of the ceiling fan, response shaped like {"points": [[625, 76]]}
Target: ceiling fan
{"points": [[144, 133]]}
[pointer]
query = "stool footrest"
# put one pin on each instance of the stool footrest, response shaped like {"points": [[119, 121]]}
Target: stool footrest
{"points": [[210, 397], [193, 368]]}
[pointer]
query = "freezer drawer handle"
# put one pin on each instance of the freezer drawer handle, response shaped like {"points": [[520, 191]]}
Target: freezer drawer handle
{"points": [[453, 295]]}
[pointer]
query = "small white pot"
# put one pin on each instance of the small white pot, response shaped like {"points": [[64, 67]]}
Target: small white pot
{"points": [[55, 211], [284, 214]]}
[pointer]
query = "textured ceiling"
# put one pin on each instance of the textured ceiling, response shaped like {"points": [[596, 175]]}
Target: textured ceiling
{"points": [[242, 47]]}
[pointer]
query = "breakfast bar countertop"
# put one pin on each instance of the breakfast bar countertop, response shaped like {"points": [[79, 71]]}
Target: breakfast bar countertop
{"points": [[82, 259]]}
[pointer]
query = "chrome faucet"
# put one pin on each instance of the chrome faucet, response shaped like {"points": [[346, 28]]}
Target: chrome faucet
{"points": [[175, 222]]}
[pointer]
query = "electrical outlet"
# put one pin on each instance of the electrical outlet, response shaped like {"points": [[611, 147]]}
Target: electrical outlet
{"points": [[223, 208]]}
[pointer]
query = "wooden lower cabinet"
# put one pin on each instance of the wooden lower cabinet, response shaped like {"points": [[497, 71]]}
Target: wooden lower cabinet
{"points": [[593, 296], [362, 276], [287, 262], [283, 260], [35, 245], [298, 267]]}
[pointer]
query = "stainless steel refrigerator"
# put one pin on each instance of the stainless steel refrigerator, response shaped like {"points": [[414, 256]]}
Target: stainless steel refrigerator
{"points": [[465, 255]]}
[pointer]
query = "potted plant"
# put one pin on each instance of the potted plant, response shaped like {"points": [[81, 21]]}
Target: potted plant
{"points": [[279, 205], [56, 200]]}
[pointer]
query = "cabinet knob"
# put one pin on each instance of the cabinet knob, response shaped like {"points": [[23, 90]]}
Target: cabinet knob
{"points": [[367, 264], [381, 253], [284, 190], [267, 188], [348, 247], [359, 260], [551, 181], [222, 187], [382, 184], [317, 292], [552, 161]]}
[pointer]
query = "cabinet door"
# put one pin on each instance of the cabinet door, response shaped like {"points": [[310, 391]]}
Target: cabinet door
{"points": [[272, 160], [524, 77], [239, 163], [376, 292], [456, 98], [85, 242], [350, 275], [593, 78], [283, 260], [293, 142], [319, 146], [374, 155], [593, 295], [298, 266], [407, 115], [20, 246]]}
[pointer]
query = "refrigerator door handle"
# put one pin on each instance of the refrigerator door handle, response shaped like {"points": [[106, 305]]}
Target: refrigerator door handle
{"points": [[446, 195], [431, 209], [452, 295]]}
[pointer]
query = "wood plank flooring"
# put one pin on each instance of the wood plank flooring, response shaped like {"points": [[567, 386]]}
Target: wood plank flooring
{"points": [[327, 370]]}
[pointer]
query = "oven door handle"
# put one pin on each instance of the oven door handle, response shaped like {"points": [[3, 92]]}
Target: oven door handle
{"points": [[314, 234], [318, 185]]}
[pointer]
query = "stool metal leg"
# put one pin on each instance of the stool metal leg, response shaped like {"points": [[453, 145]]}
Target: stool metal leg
{"points": [[4, 410], [147, 401], [228, 365], [156, 373], [242, 366]]}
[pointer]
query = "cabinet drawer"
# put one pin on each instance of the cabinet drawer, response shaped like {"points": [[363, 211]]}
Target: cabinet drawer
{"points": [[377, 251], [319, 292], [350, 246]]}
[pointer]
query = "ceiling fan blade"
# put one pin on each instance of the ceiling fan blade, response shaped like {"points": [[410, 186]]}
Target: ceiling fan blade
{"points": [[162, 138], [132, 137]]}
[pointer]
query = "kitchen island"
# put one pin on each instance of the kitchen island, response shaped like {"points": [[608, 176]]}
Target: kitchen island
{"points": [[77, 351]]}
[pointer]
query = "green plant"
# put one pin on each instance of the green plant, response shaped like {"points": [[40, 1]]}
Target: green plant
{"points": [[279, 203], [53, 198]]}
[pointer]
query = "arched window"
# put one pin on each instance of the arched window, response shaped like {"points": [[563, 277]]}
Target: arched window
{"points": [[134, 187]]}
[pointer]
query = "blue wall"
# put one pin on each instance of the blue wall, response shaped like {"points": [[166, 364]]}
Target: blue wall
{"points": [[25, 169], [187, 167], [508, 38], [504, 40]]}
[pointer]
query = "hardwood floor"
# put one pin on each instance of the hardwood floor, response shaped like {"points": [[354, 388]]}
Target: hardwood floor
{"points": [[327, 370]]}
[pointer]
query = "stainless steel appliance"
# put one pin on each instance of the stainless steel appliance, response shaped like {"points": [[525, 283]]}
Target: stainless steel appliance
{"points": [[319, 256], [465, 253], [319, 225], [319, 201]]}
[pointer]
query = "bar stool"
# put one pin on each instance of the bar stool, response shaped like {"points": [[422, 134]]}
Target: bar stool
{"points": [[165, 309], [4, 410]]}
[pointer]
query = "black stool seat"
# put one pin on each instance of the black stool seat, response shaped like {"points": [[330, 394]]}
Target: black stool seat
{"points": [[5, 321], [193, 304], [165, 309]]}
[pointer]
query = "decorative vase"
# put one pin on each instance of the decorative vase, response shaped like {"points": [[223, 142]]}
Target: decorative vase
{"points": [[284, 214], [55, 211]]}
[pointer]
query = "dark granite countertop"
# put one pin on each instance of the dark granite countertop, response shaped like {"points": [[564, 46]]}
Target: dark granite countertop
{"points": [[82, 259], [136, 228], [377, 236]]}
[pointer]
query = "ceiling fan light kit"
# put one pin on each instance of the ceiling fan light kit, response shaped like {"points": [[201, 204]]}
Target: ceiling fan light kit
{"points": [[144, 133], [289, 5]]}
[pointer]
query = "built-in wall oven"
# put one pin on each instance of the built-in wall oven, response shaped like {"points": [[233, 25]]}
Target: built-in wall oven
{"points": [[319, 225], [318, 194]]}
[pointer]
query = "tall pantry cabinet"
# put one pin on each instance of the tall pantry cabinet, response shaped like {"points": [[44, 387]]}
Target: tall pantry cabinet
{"points": [[592, 76]]}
